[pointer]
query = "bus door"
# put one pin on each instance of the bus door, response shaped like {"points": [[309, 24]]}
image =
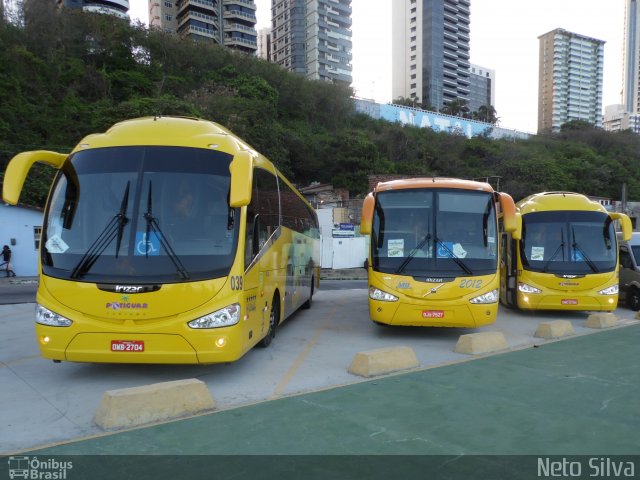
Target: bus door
{"points": [[508, 268], [262, 230]]}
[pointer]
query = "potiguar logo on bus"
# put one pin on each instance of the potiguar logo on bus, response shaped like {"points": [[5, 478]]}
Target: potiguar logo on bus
{"points": [[34, 468]]}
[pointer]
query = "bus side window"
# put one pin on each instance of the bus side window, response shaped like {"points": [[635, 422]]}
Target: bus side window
{"points": [[263, 213]]}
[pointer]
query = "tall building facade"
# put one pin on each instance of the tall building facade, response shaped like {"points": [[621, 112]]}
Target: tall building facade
{"points": [[482, 87], [430, 50], [226, 22], [313, 38], [570, 79], [264, 43], [117, 8], [617, 119], [631, 76]]}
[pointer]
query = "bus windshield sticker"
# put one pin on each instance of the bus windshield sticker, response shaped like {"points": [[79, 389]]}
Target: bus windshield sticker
{"points": [[395, 247], [458, 251], [147, 245], [445, 249], [537, 253], [55, 244]]}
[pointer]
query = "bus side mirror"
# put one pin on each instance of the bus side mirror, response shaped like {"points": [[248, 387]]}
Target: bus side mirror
{"points": [[509, 217], [19, 167], [367, 214], [241, 169], [625, 224]]}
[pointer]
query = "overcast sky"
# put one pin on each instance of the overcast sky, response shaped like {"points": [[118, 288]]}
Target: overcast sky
{"points": [[504, 37]]}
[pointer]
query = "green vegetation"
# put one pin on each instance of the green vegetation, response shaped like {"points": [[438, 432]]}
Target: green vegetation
{"points": [[67, 74]]}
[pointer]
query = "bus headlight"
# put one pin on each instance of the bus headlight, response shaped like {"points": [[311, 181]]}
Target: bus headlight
{"points": [[612, 290], [44, 316], [489, 297], [523, 287], [377, 294], [224, 317]]}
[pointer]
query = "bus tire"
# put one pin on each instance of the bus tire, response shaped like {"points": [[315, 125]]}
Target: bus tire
{"points": [[633, 299], [307, 305], [274, 318]]}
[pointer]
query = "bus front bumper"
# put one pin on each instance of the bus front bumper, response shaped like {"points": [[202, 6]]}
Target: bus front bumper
{"points": [[441, 314], [567, 301], [199, 347]]}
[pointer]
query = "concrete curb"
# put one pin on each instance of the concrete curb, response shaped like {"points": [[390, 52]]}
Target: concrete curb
{"points": [[131, 407], [382, 361], [479, 343]]}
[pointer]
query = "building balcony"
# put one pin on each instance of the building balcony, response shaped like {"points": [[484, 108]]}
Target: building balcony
{"points": [[240, 42], [238, 14], [105, 10], [239, 27], [245, 3], [211, 34], [192, 15]]}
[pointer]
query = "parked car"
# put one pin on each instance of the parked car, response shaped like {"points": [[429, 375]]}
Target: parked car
{"points": [[630, 272]]}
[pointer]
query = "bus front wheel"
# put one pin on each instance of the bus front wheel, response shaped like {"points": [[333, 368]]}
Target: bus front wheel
{"points": [[274, 317], [633, 299]]}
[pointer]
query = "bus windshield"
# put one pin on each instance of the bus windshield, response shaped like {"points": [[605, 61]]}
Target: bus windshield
{"points": [[568, 242], [434, 232], [141, 214]]}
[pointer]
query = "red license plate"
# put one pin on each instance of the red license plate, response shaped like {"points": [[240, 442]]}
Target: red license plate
{"points": [[127, 346], [569, 301], [432, 314]]}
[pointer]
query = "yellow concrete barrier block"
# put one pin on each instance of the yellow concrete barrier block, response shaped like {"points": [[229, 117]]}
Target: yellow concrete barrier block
{"points": [[555, 329], [130, 407], [483, 342], [602, 320], [383, 360]]}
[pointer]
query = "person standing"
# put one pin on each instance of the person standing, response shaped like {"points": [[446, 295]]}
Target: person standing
{"points": [[6, 257]]}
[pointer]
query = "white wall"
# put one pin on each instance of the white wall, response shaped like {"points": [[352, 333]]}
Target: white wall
{"points": [[17, 223], [350, 252]]}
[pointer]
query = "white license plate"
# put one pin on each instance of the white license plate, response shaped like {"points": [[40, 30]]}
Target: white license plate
{"points": [[432, 314], [127, 346]]}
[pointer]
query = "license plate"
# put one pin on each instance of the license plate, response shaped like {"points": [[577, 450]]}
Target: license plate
{"points": [[127, 346], [432, 314], [569, 301]]}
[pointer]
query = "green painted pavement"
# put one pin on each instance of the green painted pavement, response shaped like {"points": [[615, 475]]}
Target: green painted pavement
{"points": [[574, 397]]}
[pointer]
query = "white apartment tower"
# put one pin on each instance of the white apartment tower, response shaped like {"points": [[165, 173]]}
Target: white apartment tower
{"points": [[313, 38], [226, 22], [570, 79]]}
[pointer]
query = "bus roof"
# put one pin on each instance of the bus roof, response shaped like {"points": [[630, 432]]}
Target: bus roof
{"points": [[545, 201], [433, 182], [167, 131]]}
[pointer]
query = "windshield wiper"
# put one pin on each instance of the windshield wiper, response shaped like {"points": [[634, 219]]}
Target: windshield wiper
{"points": [[114, 229], [152, 225], [555, 254], [453, 256], [413, 252], [585, 257]]}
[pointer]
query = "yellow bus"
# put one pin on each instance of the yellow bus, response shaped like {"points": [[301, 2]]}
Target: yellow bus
{"points": [[167, 240], [433, 256], [564, 255]]}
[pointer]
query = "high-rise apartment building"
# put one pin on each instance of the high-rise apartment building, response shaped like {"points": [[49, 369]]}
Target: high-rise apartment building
{"points": [[617, 118], [482, 87], [631, 79], [226, 22], [570, 79], [264, 43], [118, 8], [430, 50], [313, 38]]}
